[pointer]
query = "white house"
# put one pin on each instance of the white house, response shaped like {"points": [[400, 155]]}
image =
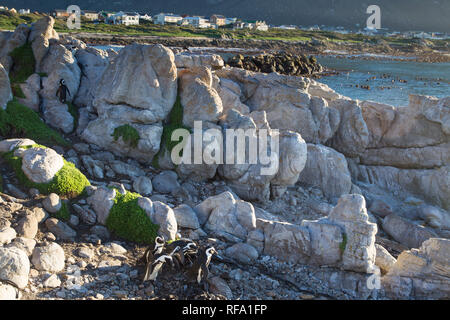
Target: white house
{"points": [[126, 18], [164, 18], [145, 16], [24, 11], [197, 22]]}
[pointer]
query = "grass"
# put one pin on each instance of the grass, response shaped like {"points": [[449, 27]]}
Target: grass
{"points": [[73, 110], [19, 121], [68, 181], [129, 221], [175, 121], [23, 63], [129, 135], [63, 213]]}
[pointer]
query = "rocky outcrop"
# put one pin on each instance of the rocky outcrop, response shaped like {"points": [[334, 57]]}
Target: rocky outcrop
{"points": [[281, 62], [138, 89], [327, 169], [40, 35], [409, 148], [422, 273], [10, 41], [199, 99], [5, 88], [31, 89], [188, 60], [224, 215]]}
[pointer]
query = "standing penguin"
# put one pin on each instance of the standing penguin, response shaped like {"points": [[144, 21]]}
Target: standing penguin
{"points": [[153, 270], [152, 253], [200, 268], [62, 91]]}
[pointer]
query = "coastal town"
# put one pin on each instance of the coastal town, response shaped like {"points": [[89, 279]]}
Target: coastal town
{"points": [[216, 21]]}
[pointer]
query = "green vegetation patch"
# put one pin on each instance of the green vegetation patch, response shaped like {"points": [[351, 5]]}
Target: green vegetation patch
{"points": [[175, 121], [73, 110], [68, 181], [63, 213], [343, 244], [129, 135], [23, 63], [18, 120], [129, 221]]}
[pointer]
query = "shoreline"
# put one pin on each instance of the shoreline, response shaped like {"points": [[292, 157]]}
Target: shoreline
{"points": [[366, 51]]}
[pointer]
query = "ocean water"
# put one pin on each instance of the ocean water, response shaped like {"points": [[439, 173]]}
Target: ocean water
{"points": [[390, 82]]}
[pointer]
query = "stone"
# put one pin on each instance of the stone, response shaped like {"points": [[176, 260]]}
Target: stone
{"points": [[52, 203], [49, 257], [420, 273], [102, 201], [224, 214], [199, 99], [406, 232], [242, 252], [384, 259], [285, 241], [5, 88], [186, 217], [162, 215], [380, 208], [41, 164], [11, 144], [116, 248], [57, 115], [189, 60], [40, 35], [166, 182], [40, 214], [86, 253], [326, 169], [60, 229], [435, 217], [141, 106], [8, 292], [7, 235], [143, 185], [11, 41], [30, 90], [52, 282], [25, 244], [85, 214], [14, 266], [101, 231], [28, 226], [219, 286], [73, 220]]}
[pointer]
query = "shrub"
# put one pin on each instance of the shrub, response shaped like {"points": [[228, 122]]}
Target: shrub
{"points": [[128, 134], [18, 120], [63, 213], [129, 221]]}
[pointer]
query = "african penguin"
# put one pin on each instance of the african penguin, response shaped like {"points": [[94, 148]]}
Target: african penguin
{"points": [[153, 269]]}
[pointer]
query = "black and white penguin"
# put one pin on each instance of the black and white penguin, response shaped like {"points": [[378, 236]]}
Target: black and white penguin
{"points": [[62, 91], [153, 269], [200, 268], [151, 251], [188, 250]]}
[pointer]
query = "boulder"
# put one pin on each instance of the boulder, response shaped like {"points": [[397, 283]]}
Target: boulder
{"points": [[420, 273], [28, 226], [166, 182], [406, 232], [25, 244], [8, 292], [11, 41], [60, 229], [49, 257], [326, 169], [58, 116], [199, 99], [143, 185], [92, 62], [162, 215], [102, 200], [188, 60], [186, 217], [219, 286], [7, 234], [40, 35], [11, 144], [242, 252], [230, 93], [384, 259], [31, 89], [225, 215], [41, 164], [14, 266], [5, 88], [52, 203]]}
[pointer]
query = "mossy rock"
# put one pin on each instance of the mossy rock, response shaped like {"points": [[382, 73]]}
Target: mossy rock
{"points": [[129, 221], [68, 181], [175, 121], [18, 120], [23, 63], [129, 135]]}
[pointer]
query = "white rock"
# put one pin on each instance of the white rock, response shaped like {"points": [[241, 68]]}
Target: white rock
{"points": [[14, 266], [384, 259], [49, 257], [186, 217], [143, 186], [41, 164], [52, 203], [5, 88], [7, 235], [52, 282], [102, 201]]}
